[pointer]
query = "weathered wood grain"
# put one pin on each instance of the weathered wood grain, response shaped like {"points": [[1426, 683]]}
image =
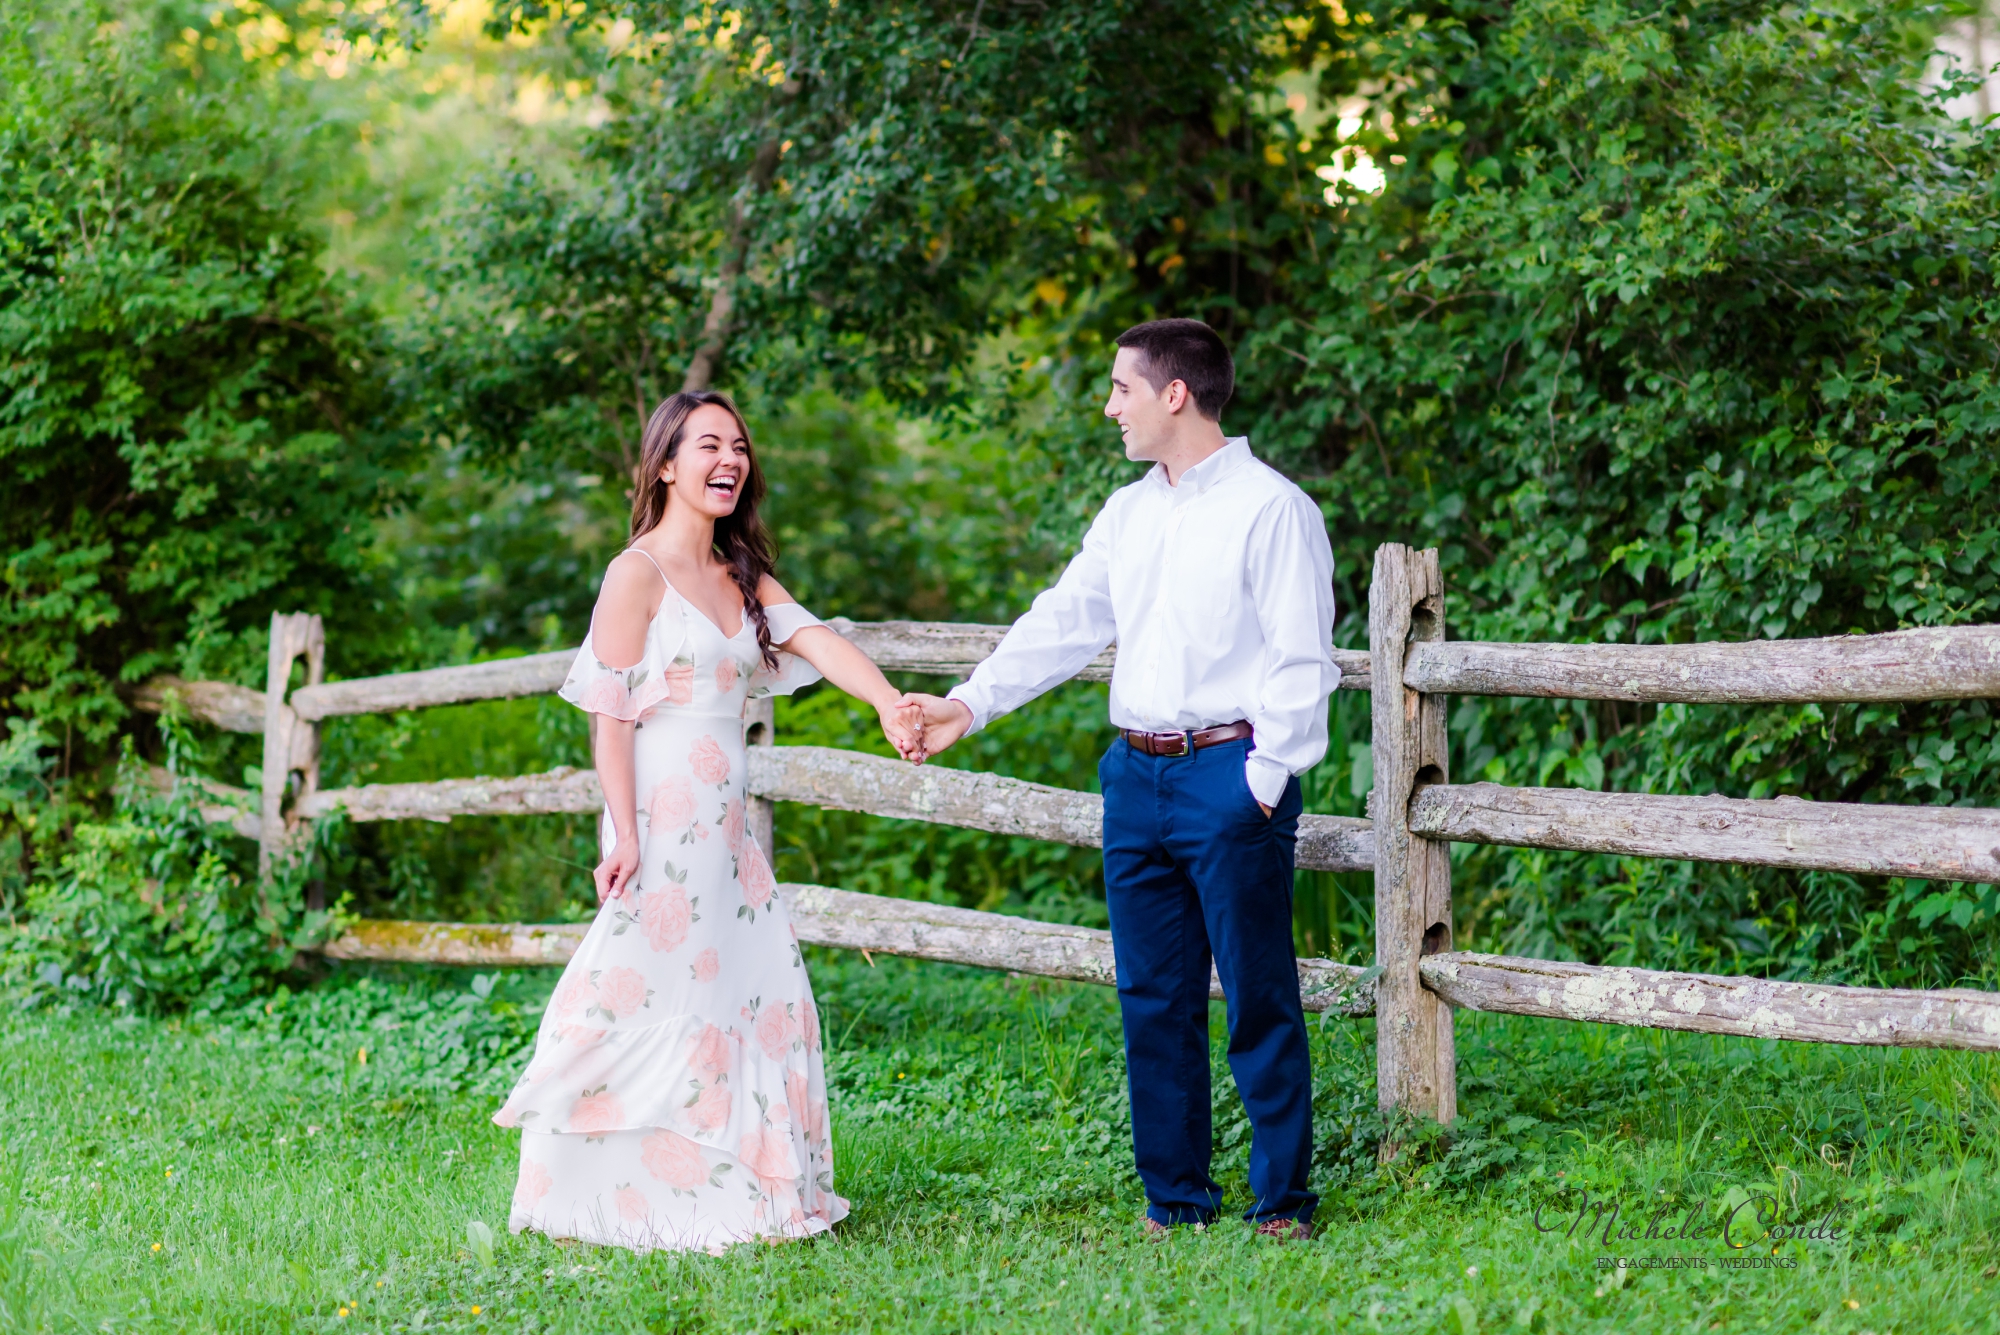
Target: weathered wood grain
{"points": [[824, 776], [842, 918], [1933, 843], [1415, 1061], [1709, 1004], [970, 799], [955, 648], [501, 679], [220, 704], [941, 647], [562, 789], [291, 744], [1941, 663], [484, 943]]}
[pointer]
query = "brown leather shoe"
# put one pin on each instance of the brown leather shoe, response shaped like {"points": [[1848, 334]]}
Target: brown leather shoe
{"points": [[1285, 1230]]}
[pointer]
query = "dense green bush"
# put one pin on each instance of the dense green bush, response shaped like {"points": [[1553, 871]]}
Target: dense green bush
{"points": [[1678, 325], [183, 400], [158, 908]]}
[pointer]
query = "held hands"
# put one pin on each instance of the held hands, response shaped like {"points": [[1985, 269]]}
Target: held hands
{"points": [[616, 873], [903, 725], [945, 721]]}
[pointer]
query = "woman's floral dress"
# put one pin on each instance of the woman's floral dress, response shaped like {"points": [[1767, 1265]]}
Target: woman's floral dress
{"points": [[677, 1096]]}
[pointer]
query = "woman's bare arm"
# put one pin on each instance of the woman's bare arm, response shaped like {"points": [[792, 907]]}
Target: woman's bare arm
{"points": [[625, 606], [854, 672]]}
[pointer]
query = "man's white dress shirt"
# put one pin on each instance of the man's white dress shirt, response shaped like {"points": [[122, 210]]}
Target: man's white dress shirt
{"points": [[1219, 594]]}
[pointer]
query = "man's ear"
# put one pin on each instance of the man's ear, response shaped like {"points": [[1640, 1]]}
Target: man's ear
{"points": [[1177, 395]]}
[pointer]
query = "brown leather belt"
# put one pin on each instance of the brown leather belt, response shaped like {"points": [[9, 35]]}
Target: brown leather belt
{"points": [[1184, 743]]}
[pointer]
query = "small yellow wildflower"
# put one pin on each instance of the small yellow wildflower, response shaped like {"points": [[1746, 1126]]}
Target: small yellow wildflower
{"points": [[156, 1246], [475, 1310]]}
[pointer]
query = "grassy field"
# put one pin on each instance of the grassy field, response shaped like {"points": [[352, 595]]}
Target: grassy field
{"points": [[315, 1166]]}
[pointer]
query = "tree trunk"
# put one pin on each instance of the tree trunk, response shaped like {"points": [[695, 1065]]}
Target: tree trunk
{"points": [[715, 329]]}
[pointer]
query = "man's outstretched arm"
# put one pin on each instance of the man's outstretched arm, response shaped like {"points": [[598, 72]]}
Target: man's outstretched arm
{"points": [[1068, 625]]}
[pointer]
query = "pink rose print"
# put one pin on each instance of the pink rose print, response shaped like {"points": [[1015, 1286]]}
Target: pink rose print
{"points": [[650, 694], [679, 681], [674, 1160], [575, 996], [534, 1184], [774, 1031], [725, 675], [596, 1112], [710, 1108], [797, 1092], [733, 825], [665, 914], [766, 1152], [621, 991], [583, 1035], [707, 760], [809, 1024], [707, 965], [671, 804], [606, 695], [815, 1123], [755, 875], [631, 1203], [709, 1052]]}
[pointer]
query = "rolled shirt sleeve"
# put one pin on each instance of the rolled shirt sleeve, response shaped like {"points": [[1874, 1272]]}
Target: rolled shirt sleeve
{"points": [[1069, 624], [1290, 577]]}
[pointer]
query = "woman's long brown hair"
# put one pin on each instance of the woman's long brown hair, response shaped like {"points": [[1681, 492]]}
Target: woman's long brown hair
{"points": [[741, 540]]}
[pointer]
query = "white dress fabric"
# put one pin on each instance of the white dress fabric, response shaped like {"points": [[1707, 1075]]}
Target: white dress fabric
{"points": [[677, 1095]]}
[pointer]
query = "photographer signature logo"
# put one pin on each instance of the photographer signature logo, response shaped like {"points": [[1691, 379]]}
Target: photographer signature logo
{"points": [[1743, 1220]]}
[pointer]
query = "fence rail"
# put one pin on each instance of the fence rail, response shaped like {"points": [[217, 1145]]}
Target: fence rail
{"points": [[1927, 843], [1417, 979], [1946, 663]]}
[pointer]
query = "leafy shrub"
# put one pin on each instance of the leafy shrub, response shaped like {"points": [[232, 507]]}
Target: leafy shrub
{"points": [[159, 908], [185, 433]]}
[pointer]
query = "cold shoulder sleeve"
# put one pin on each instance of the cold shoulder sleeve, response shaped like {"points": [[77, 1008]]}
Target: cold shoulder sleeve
{"points": [[785, 621], [663, 672]]}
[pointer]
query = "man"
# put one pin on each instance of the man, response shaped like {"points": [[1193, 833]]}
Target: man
{"points": [[1214, 576]]}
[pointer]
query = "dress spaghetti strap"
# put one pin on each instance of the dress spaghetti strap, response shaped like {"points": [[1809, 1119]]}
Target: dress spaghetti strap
{"points": [[656, 565]]}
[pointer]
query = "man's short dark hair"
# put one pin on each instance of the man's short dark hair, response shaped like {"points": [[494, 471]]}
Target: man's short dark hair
{"points": [[1188, 351]]}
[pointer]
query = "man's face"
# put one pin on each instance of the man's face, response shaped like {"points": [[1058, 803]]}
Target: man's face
{"points": [[1144, 416]]}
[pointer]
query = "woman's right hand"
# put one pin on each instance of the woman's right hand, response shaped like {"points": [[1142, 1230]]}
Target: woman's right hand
{"points": [[614, 875]]}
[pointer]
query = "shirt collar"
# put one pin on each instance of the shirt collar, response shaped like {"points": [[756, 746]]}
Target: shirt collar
{"points": [[1235, 451]]}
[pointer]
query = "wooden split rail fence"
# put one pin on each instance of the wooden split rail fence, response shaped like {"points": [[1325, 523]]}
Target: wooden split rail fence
{"points": [[1416, 812]]}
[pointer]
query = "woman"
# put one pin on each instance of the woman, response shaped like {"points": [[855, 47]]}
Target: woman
{"points": [[677, 1096]]}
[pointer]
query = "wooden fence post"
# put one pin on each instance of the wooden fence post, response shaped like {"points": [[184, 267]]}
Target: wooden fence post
{"points": [[760, 728], [1415, 1064], [289, 742]]}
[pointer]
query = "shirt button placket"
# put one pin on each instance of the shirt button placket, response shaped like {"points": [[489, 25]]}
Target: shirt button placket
{"points": [[1153, 701]]}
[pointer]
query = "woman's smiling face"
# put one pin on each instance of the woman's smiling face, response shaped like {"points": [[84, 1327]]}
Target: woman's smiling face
{"points": [[709, 468]]}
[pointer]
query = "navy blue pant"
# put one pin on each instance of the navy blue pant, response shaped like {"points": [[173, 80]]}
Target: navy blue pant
{"points": [[1193, 869]]}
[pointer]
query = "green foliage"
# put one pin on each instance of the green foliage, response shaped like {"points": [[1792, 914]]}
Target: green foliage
{"points": [[1686, 333], [184, 411], [159, 909]]}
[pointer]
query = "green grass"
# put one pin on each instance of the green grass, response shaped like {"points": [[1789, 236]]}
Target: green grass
{"points": [[258, 1175]]}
